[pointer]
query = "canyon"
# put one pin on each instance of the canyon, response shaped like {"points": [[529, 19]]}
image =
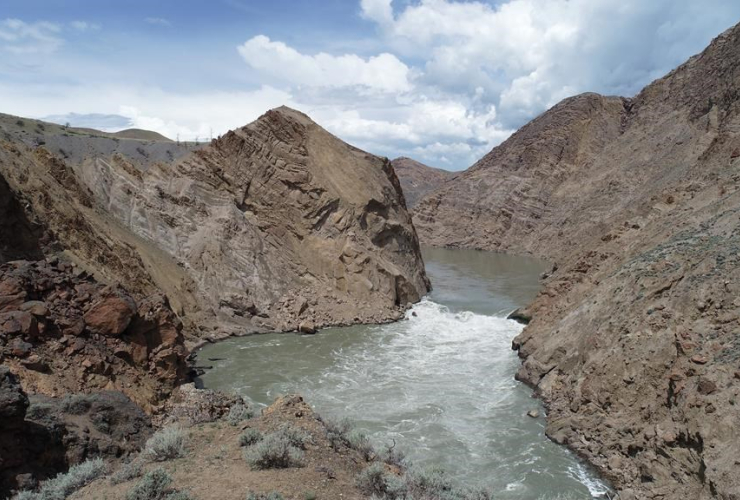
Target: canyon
{"points": [[632, 342], [120, 254]]}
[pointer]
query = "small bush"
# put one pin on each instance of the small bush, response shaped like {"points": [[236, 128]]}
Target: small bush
{"points": [[239, 413], [20, 123], [337, 432], [359, 441], [295, 437], [67, 483], [273, 495], [274, 451], [249, 437], [179, 495], [127, 472], [309, 495], [153, 486], [375, 480], [165, 444], [392, 456]]}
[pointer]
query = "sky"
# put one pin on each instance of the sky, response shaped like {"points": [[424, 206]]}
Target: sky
{"points": [[441, 81]]}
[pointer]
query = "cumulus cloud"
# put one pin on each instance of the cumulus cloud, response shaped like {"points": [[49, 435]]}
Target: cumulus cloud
{"points": [[19, 37], [384, 72], [529, 54]]}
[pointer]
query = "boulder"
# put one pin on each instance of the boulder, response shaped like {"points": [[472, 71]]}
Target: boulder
{"points": [[110, 316]]}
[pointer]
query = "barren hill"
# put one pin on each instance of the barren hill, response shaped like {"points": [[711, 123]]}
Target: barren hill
{"points": [[273, 225], [633, 341], [418, 179]]}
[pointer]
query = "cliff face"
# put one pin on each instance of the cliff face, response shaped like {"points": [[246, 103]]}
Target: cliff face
{"points": [[418, 179], [273, 226], [633, 339]]}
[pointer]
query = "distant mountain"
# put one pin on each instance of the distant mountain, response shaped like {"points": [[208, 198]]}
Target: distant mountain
{"points": [[418, 179], [633, 342]]}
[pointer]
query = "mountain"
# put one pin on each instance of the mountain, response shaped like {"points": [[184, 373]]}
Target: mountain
{"points": [[418, 179], [633, 340], [272, 225]]}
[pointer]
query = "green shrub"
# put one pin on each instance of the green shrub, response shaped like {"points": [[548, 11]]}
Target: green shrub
{"points": [[433, 483], [128, 471], [67, 483], [309, 495], [337, 432], [238, 413], [153, 486], [273, 495], [165, 444], [357, 440], [375, 480], [249, 437], [392, 456], [295, 437], [274, 451]]}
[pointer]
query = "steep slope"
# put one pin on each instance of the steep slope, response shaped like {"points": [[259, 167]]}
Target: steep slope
{"points": [[272, 226], [418, 179], [633, 342]]}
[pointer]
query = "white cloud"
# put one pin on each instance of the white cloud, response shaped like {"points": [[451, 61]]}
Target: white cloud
{"points": [[384, 72], [19, 37], [379, 11]]}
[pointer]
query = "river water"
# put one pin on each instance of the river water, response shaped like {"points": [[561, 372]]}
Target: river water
{"points": [[439, 383]]}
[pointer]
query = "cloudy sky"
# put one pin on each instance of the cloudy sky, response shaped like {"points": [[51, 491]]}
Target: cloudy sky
{"points": [[442, 81]]}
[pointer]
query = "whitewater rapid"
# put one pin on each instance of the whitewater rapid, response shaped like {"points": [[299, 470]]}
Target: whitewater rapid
{"points": [[438, 383]]}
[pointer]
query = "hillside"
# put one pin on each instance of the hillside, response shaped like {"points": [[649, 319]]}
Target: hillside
{"points": [[307, 226], [633, 339], [418, 179]]}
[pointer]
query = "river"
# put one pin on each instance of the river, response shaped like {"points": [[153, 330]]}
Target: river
{"points": [[439, 383]]}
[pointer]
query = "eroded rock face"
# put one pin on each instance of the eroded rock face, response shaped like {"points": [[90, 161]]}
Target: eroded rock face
{"points": [[418, 179], [632, 342], [63, 332], [279, 223], [272, 225]]}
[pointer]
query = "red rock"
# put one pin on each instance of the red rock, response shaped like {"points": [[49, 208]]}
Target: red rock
{"points": [[35, 307], [19, 348], [12, 302], [706, 387], [18, 323], [110, 316], [699, 359], [735, 154]]}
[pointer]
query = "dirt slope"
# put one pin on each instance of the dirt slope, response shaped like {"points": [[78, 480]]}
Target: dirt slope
{"points": [[634, 339], [418, 179]]}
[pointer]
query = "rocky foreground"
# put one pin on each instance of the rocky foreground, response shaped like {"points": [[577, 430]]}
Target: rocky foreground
{"points": [[633, 342]]}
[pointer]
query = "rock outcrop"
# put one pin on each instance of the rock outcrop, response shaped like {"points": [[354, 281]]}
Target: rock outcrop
{"points": [[633, 341], [43, 436], [62, 332], [418, 179], [279, 223], [273, 225]]}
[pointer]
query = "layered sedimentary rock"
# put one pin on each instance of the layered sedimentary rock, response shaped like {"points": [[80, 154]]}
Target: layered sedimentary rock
{"points": [[633, 341], [277, 225], [418, 179]]}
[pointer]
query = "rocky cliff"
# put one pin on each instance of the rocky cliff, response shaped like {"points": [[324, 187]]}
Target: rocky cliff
{"points": [[633, 341], [277, 225], [418, 179]]}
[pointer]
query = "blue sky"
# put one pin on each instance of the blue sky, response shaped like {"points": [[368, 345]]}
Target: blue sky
{"points": [[442, 81]]}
